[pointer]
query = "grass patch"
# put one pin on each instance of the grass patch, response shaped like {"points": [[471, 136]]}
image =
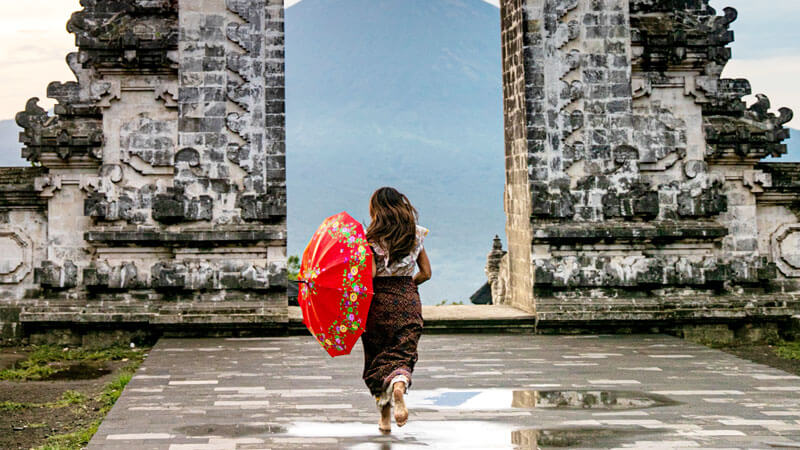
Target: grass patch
{"points": [[11, 406], [27, 372], [788, 350], [68, 398], [72, 441], [71, 398], [111, 392], [114, 389], [39, 364]]}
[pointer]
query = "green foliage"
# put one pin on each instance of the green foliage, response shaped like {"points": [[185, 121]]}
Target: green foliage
{"points": [[71, 441], [788, 350], [293, 267], [67, 398], [38, 365], [11, 406], [446, 302], [114, 389], [27, 372], [73, 398]]}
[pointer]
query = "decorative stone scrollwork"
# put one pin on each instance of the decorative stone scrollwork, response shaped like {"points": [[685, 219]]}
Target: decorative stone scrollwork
{"points": [[16, 255], [785, 248], [64, 138]]}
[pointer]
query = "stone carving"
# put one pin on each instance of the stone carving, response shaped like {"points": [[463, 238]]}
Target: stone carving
{"points": [[494, 272], [16, 255], [64, 138], [150, 140], [785, 246]]}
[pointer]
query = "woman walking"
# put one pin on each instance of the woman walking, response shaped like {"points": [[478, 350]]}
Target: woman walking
{"points": [[394, 323]]}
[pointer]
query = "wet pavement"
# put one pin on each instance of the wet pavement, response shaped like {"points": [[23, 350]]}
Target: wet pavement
{"points": [[469, 392]]}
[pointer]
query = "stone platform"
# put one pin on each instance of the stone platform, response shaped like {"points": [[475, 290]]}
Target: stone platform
{"points": [[470, 391]]}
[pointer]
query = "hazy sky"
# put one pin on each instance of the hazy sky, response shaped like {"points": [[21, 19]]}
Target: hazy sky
{"points": [[34, 42]]}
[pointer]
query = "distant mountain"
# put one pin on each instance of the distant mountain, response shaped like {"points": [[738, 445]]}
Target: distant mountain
{"points": [[405, 94]]}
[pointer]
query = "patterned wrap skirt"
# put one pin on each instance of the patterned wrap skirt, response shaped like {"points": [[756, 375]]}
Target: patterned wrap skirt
{"points": [[393, 329]]}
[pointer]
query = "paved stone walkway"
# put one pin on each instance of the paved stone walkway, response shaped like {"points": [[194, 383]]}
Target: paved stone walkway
{"points": [[470, 391]]}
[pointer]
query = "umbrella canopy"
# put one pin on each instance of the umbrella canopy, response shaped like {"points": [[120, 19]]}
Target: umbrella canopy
{"points": [[336, 284]]}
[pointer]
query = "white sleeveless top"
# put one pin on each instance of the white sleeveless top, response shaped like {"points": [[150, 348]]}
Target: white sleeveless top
{"points": [[404, 267]]}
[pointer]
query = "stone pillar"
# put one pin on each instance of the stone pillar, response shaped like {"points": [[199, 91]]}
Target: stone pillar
{"points": [[164, 168], [632, 182]]}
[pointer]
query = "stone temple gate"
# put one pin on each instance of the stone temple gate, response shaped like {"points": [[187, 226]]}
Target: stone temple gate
{"points": [[158, 196], [634, 190]]}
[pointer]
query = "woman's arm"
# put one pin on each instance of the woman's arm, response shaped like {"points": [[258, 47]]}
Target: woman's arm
{"points": [[424, 264]]}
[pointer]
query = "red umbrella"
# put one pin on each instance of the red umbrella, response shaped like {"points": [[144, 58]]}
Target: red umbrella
{"points": [[336, 284]]}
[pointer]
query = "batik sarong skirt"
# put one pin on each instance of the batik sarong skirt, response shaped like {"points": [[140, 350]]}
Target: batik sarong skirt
{"points": [[393, 329]]}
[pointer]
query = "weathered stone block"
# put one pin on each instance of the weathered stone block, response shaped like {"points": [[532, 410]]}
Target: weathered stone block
{"points": [[168, 276], [53, 276], [758, 333], [714, 335]]}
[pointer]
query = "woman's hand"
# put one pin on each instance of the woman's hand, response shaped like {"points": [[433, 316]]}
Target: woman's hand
{"points": [[424, 264]]}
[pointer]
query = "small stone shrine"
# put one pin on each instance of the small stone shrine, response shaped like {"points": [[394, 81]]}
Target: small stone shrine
{"points": [[635, 190], [157, 199]]}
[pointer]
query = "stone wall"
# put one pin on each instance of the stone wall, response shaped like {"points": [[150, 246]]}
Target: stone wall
{"points": [[159, 193], [645, 197]]}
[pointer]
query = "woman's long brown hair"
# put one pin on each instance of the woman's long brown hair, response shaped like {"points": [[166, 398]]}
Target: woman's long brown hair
{"points": [[394, 223]]}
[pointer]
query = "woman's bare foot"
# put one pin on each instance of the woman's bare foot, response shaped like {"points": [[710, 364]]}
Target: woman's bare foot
{"points": [[400, 410], [385, 425]]}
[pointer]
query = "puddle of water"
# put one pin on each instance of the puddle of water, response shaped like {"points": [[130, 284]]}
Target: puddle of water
{"points": [[470, 434], [501, 399], [230, 430], [79, 371], [462, 434], [571, 438], [431, 434]]}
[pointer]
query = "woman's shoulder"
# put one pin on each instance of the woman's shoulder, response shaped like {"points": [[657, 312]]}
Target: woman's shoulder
{"points": [[421, 233]]}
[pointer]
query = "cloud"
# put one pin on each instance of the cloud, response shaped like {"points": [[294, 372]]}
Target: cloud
{"points": [[774, 77], [761, 31], [33, 48]]}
